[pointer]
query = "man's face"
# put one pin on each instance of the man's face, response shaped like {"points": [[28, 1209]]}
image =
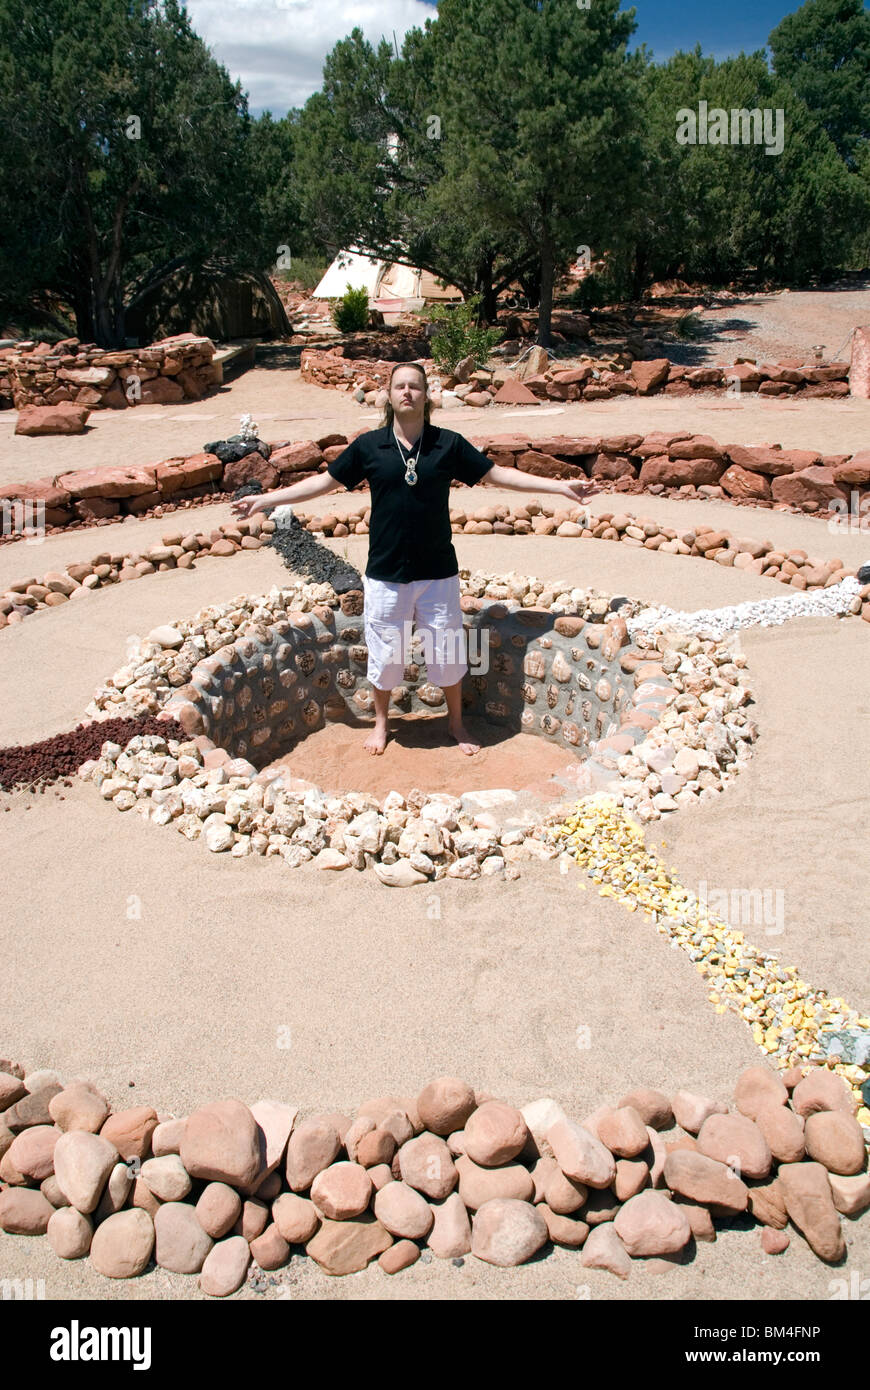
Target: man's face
{"points": [[407, 392]]}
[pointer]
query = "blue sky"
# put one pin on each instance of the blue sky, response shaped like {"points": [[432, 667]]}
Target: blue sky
{"points": [[277, 47]]}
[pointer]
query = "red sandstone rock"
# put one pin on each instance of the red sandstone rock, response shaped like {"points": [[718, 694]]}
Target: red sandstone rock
{"points": [[737, 1141], [704, 1180], [677, 472], [478, 1185], [79, 1106], [343, 1247], [82, 1164], [809, 1203], [855, 471], [757, 1087], [181, 1244], [651, 1224], [122, 1244], [822, 1090], [32, 1151], [108, 482], [507, 1232], [402, 1211], [426, 1165], [623, 1132], [177, 474], [296, 1217], [341, 1191], [218, 1209], [450, 1236], [24, 1211], [783, 1131], [225, 1267], [650, 375], [740, 482], [604, 1250], [653, 1107], [774, 1242], [399, 1256], [835, 1140], [63, 418], [810, 485], [69, 1233], [221, 1143], [494, 1134], [580, 1155], [270, 1250]]}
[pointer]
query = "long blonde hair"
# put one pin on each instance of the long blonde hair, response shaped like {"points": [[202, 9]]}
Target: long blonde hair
{"points": [[389, 413]]}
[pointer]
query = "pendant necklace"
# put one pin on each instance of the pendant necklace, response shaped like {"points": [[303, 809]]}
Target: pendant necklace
{"points": [[410, 462]]}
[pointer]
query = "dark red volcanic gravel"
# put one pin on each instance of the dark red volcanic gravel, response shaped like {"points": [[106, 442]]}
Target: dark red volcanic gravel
{"points": [[39, 764]]}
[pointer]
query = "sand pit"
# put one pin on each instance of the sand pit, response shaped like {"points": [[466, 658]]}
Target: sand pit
{"points": [[421, 753]]}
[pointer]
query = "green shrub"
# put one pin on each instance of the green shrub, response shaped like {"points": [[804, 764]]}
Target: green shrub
{"points": [[687, 326], [350, 314], [458, 335], [598, 289]]}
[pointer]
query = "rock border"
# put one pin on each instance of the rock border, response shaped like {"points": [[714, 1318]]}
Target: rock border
{"points": [[450, 1172], [180, 550], [670, 463]]}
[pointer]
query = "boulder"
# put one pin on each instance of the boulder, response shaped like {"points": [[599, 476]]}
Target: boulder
{"points": [[63, 418], [810, 1206], [651, 1224], [507, 1232], [221, 1143], [122, 1244]]}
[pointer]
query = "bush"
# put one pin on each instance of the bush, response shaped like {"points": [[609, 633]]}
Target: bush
{"points": [[458, 335], [598, 289], [688, 326], [350, 314]]}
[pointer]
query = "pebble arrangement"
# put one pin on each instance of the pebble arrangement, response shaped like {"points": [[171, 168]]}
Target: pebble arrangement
{"points": [[789, 1019], [448, 1173], [181, 550], [716, 622]]}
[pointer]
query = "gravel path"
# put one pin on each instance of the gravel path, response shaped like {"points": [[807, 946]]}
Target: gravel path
{"points": [[773, 327]]}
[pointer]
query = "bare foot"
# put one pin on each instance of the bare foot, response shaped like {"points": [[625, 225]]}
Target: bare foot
{"points": [[463, 738], [377, 740]]}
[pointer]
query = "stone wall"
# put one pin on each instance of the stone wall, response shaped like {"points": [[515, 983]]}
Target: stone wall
{"points": [[599, 378], [557, 677], [172, 370]]}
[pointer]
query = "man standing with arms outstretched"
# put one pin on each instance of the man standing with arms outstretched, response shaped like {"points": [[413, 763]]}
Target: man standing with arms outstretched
{"points": [[412, 570]]}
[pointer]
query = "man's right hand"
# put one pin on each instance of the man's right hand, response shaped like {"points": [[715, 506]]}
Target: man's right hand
{"points": [[251, 505]]}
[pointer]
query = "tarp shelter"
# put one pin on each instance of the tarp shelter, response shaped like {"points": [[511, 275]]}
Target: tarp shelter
{"points": [[390, 286]]}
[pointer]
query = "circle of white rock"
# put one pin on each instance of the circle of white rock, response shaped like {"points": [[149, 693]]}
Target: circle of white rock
{"points": [[702, 740]]}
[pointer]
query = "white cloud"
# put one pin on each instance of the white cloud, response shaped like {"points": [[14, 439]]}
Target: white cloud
{"points": [[276, 48]]}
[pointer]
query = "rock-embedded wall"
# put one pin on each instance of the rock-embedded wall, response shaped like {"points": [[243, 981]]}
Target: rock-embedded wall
{"points": [[557, 677], [171, 370]]}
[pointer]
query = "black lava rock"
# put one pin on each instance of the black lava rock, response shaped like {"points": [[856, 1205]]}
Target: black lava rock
{"points": [[235, 448], [864, 574], [305, 556], [247, 489], [616, 604]]}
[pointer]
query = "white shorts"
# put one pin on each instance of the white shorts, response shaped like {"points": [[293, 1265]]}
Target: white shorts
{"points": [[390, 611]]}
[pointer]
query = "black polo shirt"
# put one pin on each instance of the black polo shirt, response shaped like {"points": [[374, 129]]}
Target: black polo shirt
{"points": [[409, 529]]}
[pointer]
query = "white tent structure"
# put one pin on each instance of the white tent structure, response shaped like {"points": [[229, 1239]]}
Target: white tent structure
{"points": [[392, 288]]}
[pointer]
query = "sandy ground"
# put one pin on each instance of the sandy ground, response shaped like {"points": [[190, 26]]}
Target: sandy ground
{"points": [[176, 970], [171, 976], [420, 746]]}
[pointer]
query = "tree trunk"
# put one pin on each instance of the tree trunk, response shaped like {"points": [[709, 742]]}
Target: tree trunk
{"points": [[639, 272], [545, 308], [488, 307]]}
